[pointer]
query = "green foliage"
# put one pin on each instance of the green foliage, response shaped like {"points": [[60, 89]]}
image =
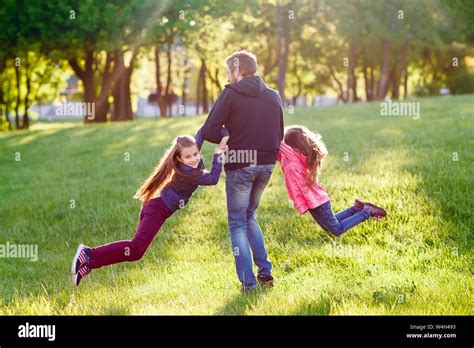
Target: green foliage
{"points": [[462, 82], [416, 39]]}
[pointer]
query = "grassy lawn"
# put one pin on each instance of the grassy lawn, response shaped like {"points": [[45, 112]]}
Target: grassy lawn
{"points": [[416, 261]]}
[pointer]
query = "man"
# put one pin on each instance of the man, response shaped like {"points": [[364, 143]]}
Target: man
{"points": [[253, 115]]}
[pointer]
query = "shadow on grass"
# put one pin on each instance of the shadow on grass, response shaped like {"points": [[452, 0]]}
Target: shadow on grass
{"points": [[115, 309], [320, 307], [240, 303]]}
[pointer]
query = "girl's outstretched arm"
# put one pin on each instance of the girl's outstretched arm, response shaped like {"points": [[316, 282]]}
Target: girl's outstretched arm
{"points": [[212, 177]]}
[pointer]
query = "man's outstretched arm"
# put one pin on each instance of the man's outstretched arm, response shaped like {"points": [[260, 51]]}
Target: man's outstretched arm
{"points": [[224, 133], [212, 128]]}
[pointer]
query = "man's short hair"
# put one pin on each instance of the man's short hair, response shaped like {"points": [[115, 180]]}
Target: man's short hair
{"points": [[244, 60]]}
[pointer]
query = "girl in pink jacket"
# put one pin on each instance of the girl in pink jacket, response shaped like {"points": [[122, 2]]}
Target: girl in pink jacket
{"points": [[301, 155]]}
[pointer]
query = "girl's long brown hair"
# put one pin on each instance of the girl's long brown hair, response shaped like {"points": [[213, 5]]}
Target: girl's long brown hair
{"points": [[166, 170], [311, 145]]}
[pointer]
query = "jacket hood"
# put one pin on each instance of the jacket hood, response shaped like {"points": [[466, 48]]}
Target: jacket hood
{"points": [[251, 86]]}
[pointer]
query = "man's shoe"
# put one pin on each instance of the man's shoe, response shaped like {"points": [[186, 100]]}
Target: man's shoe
{"points": [[266, 280]]}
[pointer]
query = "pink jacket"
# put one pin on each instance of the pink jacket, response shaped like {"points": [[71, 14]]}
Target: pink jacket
{"points": [[294, 166]]}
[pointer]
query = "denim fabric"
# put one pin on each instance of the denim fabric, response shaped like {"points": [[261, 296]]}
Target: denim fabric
{"points": [[244, 189], [339, 223]]}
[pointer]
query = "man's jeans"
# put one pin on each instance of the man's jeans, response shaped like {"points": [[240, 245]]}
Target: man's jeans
{"points": [[244, 188]]}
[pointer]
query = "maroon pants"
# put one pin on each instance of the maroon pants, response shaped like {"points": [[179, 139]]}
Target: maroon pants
{"points": [[152, 216]]}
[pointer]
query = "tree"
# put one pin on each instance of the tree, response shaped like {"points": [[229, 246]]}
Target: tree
{"points": [[26, 69], [95, 37]]}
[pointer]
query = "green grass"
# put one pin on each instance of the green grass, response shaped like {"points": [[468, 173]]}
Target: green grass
{"points": [[416, 261]]}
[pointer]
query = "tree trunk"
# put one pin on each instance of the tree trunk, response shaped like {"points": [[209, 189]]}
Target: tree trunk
{"points": [[165, 97], [185, 83], [204, 94], [122, 103], [405, 83], [7, 110], [392, 77], [283, 52], [4, 103], [351, 78], [2, 98], [101, 107], [86, 75], [89, 88], [382, 87], [26, 119], [386, 45], [159, 85], [18, 97], [404, 72], [198, 91], [281, 77], [215, 79], [183, 98], [368, 96], [271, 61], [169, 100], [372, 82], [300, 84], [395, 78], [398, 72], [6, 116], [395, 85], [215, 84], [342, 95], [287, 48], [121, 92]]}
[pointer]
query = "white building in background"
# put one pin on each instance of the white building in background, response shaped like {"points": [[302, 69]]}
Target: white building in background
{"points": [[323, 100], [145, 109], [70, 105], [49, 112], [68, 98], [320, 100]]}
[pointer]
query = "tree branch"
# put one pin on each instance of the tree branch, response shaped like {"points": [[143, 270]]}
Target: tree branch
{"points": [[75, 66]]}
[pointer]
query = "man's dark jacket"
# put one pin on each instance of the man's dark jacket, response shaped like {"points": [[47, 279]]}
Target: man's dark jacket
{"points": [[253, 114]]}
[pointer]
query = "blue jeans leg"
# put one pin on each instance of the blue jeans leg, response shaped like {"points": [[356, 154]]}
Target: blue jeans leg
{"points": [[328, 221], [244, 188], [346, 213], [254, 232]]}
